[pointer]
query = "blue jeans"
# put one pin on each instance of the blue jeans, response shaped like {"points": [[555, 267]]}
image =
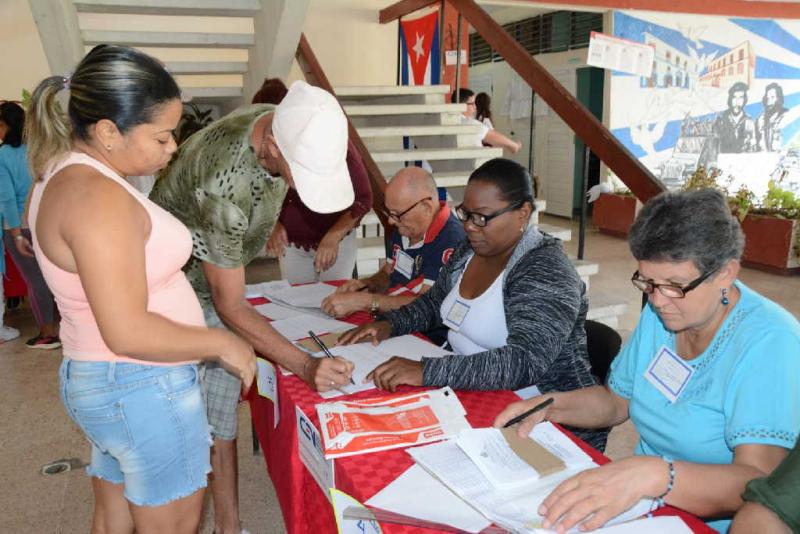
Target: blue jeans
{"points": [[147, 426]]}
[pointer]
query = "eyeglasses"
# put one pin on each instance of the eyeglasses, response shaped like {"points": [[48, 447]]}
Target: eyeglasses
{"points": [[398, 216], [479, 219], [668, 290]]}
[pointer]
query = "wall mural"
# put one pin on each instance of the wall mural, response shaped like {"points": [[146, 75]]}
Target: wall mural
{"points": [[724, 92]]}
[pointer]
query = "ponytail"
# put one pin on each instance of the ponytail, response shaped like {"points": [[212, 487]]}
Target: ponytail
{"points": [[47, 129]]}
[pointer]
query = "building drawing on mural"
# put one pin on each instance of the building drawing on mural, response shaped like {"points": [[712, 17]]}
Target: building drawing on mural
{"points": [[723, 92], [670, 67], [738, 65]]}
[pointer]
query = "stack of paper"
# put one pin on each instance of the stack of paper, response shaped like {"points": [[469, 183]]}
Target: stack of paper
{"points": [[304, 296], [514, 507], [366, 357], [260, 290], [389, 422], [297, 327]]}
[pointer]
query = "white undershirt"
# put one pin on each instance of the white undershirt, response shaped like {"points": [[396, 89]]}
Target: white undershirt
{"points": [[484, 326]]}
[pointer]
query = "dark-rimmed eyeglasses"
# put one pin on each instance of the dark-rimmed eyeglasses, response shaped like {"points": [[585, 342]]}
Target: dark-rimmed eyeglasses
{"points": [[398, 216], [668, 290], [479, 219]]}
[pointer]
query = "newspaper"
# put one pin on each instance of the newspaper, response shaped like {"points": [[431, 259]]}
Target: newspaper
{"points": [[389, 422]]}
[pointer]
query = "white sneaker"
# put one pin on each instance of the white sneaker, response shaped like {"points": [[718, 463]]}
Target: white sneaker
{"points": [[7, 333]]}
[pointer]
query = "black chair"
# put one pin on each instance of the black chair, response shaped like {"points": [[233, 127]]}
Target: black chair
{"points": [[603, 344]]}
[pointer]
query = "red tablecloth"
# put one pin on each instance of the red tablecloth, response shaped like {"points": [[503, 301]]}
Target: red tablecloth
{"points": [[305, 507]]}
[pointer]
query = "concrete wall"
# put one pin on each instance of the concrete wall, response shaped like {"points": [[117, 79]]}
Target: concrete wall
{"points": [[353, 48], [22, 63]]}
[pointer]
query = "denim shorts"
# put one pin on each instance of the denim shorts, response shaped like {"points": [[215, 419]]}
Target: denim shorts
{"points": [[147, 425]]}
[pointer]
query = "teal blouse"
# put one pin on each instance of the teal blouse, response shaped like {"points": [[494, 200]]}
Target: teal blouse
{"points": [[745, 388]]}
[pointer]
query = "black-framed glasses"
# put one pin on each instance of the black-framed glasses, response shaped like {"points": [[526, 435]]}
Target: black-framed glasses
{"points": [[668, 290], [398, 216], [479, 219]]}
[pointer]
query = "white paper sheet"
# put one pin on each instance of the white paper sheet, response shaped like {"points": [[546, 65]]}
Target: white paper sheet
{"points": [[559, 444], [294, 328], [305, 296], [366, 357], [417, 494], [259, 290], [490, 452], [276, 311]]}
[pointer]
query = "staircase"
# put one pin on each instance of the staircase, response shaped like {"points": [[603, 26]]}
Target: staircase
{"points": [[383, 115]]}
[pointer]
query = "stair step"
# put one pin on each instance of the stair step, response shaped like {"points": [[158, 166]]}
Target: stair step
{"points": [[585, 268], [211, 8], [605, 308], [363, 110], [370, 248], [418, 131], [169, 39], [564, 234], [433, 154], [206, 67], [361, 91]]}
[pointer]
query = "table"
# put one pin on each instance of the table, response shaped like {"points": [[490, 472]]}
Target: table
{"points": [[305, 507]]}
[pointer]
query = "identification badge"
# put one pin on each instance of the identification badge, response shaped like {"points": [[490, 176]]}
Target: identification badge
{"points": [[668, 373], [455, 317], [404, 264]]}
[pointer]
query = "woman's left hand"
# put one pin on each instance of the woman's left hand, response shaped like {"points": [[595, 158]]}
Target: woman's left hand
{"points": [[593, 497], [395, 372], [327, 252]]}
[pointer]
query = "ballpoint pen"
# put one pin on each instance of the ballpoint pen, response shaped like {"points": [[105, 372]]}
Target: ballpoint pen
{"points": [[324, 348], [523, 415]]}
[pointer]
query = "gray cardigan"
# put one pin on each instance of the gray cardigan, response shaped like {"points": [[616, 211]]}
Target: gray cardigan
{"points": [[545, 306]]}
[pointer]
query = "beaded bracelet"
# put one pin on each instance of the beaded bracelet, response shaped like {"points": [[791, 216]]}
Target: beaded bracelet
{"points": [[658, 502]]}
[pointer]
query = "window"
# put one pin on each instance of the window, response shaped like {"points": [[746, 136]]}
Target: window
{"points": [[550, 32]]}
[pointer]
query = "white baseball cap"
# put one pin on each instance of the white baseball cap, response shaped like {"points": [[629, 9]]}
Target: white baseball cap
{"points": [[311, 132]]}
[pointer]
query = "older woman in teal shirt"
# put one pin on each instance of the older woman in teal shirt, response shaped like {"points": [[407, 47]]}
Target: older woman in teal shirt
{"points": [[710, 377]]}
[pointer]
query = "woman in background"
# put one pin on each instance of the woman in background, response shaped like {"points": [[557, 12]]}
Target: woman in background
{"points": [[15, 184], [483, 111]]}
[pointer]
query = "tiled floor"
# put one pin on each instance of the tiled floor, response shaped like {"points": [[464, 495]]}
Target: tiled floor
{"points": [[35, 429]]}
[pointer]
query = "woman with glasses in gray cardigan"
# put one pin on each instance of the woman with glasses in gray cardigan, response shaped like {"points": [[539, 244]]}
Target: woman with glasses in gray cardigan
{"points": [[513, 304]]}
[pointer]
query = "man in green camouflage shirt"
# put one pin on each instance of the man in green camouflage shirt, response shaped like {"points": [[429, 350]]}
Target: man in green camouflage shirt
{"points": [[226, 183]]}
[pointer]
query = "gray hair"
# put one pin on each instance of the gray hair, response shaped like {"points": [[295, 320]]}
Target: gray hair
{"points": [[694, 226]]}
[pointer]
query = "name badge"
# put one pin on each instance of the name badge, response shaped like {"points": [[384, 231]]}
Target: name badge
{"points": [[455, 317], [404, 264], [668, 374]]}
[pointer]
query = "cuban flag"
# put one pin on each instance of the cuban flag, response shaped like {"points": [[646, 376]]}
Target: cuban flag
{"points": [[419, 50]]}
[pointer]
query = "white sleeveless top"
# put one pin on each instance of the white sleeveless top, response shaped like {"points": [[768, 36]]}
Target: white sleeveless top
{"points": [[484, 325]]}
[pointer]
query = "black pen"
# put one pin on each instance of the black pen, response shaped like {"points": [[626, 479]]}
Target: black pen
{"points": [[324, 348], [541, 406]]}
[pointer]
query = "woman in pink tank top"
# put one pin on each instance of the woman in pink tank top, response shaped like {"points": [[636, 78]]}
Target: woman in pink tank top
{"points": [[132, 328]]}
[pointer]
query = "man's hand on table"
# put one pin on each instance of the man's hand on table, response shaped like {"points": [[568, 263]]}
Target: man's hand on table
{"points": [[325, 374], [352, 285], [375, 332], [593, 497], [396, 372], [343, 304]]}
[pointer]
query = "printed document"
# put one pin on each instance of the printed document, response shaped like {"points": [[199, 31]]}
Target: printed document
{"points": [[303, 296], [366, 357], [297, 327], [390, 421]]}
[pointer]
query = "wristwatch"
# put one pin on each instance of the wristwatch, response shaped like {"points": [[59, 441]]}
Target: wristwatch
{"points": [[374, 307]]}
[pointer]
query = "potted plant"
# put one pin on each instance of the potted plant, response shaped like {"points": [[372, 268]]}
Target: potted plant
{"points": [[771, 225], [615, 209]]}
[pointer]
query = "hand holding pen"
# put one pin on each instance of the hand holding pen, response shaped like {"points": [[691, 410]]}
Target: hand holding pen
{"points": [[523, 412], [327, 353]]}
